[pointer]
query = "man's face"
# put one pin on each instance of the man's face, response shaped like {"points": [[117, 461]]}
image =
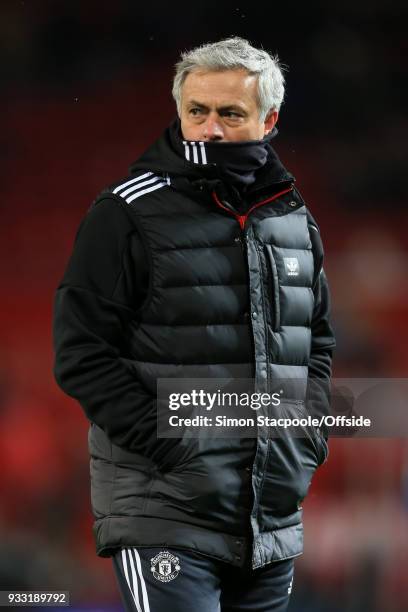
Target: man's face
{"points": [[222, 106]]}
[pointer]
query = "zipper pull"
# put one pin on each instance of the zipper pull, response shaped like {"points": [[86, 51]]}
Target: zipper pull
{"points": [[241, 219]]}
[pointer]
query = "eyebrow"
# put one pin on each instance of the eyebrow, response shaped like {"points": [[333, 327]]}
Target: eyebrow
{"points": [[221, 108]]}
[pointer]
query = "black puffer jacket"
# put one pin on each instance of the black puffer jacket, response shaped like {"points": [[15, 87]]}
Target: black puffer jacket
{"points": [[167, 280]]}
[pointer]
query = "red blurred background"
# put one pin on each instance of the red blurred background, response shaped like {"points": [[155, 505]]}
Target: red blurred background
{"points": [[87, 88]]}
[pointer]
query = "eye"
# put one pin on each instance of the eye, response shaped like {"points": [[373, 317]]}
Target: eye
{"points": [[232, 115], [195, 111]]}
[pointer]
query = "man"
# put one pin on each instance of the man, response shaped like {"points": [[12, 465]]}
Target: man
{"points": [[203, 263]]}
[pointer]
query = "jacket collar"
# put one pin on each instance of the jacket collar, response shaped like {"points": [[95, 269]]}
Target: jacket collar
{"points": [[168, 155]]}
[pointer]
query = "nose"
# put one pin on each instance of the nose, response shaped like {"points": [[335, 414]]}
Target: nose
{"points": [[212, 129]]}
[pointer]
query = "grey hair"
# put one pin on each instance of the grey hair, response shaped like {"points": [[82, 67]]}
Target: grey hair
{"points": [[232, 54]]}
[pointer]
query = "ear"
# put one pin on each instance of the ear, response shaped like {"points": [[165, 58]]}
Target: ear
{"points": [[270, 121]]}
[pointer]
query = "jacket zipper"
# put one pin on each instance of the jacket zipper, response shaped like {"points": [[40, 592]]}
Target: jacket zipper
{"points": [[242, 218]]}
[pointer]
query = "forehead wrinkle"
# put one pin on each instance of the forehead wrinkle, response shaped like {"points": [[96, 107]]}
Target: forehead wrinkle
{"points": [[218, 86]]}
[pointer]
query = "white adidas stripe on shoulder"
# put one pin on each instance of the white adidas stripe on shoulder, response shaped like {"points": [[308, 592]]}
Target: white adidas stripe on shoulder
{"points": [[145, 183], [131, 182]]}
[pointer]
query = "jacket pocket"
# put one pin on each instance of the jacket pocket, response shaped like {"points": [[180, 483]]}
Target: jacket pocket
{"points": [[292, 459], [273, 285], [316, 436]]}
